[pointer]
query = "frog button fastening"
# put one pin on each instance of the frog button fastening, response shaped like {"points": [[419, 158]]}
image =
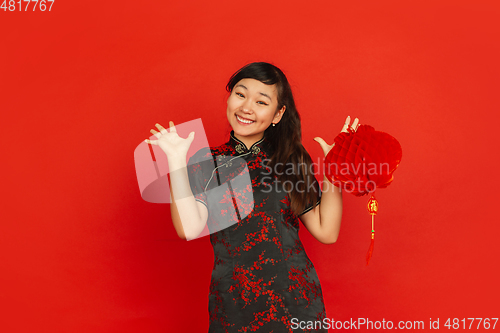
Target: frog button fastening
{"points": [[239, 148]]}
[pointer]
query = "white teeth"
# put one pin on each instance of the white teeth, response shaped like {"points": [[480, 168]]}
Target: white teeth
{"points": [[244, 121]]}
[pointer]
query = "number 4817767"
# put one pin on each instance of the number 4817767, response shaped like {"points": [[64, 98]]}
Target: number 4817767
{"points": [[41, 5], [486, 323]]}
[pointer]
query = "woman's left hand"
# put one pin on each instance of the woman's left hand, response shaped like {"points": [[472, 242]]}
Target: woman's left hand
{"points": [[325, 146]]}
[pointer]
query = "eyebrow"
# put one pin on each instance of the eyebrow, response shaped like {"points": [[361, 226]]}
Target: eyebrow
{"points": [[263, 94]]}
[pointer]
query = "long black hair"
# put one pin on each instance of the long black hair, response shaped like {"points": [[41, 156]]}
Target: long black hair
{"points": [[290, 162]]}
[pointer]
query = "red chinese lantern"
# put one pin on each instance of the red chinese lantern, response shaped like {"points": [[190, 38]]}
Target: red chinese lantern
{"points": [[362, 161]]}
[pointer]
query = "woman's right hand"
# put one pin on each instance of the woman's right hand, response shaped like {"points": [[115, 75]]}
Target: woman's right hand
{"points": [[170, 142]]}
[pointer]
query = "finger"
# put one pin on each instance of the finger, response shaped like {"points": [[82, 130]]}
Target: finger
{"points": [[191, 137], [322, 143], [153, 142], [155, 133], [346, 124], [355, 125], [161, 128], [172, 127], [319, 140]]}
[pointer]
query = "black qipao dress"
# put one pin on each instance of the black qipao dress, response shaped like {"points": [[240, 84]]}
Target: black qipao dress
{"points": [[262, 279]]}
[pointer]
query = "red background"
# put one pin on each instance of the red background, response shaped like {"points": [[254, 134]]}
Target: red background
{"points": [[82, 85]]}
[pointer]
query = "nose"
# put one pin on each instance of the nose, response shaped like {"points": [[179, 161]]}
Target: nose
{"points": [[246, 106]]}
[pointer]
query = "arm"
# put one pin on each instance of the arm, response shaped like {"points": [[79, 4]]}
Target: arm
{"points": [[188, 216], [323, 221]]}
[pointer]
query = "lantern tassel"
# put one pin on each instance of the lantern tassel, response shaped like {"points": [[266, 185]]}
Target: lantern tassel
{"points": [[370, 250], [372, 209]]}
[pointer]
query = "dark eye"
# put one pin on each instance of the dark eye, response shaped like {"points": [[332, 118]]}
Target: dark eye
{"points": [[262, 103], [239, 94]]}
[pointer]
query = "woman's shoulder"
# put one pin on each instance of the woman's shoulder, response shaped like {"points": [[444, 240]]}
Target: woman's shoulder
{"points": [[206, 153]]}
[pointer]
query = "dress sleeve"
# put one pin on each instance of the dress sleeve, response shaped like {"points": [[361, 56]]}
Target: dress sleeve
{"points": [[316, 202], [199, 169]]}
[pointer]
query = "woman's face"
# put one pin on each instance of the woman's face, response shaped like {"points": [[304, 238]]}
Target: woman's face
{"points": [[251, 108]]}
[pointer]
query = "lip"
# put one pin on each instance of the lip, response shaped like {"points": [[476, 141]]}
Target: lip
{"points": [[241, 123]]}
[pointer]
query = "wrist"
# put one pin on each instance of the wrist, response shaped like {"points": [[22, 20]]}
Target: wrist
{"points": [[329, 186], [176, 162]]}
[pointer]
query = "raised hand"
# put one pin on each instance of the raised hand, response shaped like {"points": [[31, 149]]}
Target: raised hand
{"points": [[325, 146], [170, 142]]}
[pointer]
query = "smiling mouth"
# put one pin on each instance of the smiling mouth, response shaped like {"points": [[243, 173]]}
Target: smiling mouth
{"points": [[244, 121]]}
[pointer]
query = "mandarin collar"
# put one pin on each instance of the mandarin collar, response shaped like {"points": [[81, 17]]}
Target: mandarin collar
{"points": [[241, 148]]}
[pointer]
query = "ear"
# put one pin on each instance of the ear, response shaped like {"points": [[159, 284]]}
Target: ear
{"points": [[279, 115]]}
